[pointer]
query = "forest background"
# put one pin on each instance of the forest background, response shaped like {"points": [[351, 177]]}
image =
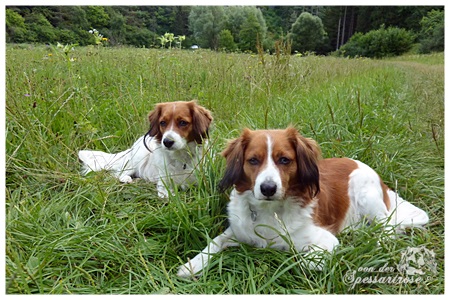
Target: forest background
{"points": [[316, 29]]}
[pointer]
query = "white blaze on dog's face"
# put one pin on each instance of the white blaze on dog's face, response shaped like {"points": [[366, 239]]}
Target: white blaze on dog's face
{"points": [[273, 164], [269, 161], [175, 124]]}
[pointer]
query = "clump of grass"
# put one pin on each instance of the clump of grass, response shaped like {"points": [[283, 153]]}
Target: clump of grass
{"points": [[67, 234]]}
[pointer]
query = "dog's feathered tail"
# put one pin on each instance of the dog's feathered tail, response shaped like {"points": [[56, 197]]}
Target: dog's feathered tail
{"points": [[405, 214]]}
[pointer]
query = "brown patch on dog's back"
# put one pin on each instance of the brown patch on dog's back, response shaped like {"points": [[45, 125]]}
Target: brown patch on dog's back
{"points": [[386, 199], [333, 198]]}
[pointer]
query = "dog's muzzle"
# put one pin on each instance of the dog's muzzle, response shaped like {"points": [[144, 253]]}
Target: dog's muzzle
{"points": [[268, 188], [168, 142]]}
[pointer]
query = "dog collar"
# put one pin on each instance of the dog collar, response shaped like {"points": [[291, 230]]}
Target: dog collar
{"points": [[253, 213]]}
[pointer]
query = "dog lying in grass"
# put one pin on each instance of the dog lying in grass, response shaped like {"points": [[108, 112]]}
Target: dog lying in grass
{"points": [[170, 151], [285, 196]]}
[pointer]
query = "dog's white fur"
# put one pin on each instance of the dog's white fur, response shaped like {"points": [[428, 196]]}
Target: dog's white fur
{"points": [[167, 154], [269, 206]]}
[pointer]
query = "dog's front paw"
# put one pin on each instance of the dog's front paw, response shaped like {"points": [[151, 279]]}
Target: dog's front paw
{"points": [[163, 193], [187, 271], [125, 179], [315, 259], [162, 190]]}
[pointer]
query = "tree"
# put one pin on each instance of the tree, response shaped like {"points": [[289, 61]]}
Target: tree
{"points": [[97, 16], [70, 22], [226, 41], [432, 32], [372, 17], [307, 33], [284, 14], [140, 37], [44, 32], [15, 27], [141, 25], [116, 31], [206, 22], [180, 24], [236, 16], [250, 34]]}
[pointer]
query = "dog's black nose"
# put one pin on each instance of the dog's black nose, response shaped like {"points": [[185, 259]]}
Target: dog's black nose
{"points": [[168, 143], [268, 188]]}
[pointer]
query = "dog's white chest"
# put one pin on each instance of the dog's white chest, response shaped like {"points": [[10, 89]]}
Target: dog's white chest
{"points": [[260, 224], [155, 163]]}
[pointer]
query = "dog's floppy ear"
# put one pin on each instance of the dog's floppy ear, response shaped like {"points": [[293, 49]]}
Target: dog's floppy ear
{"points": [[201, 120], [307, 153], [153, 118], [234, 155]]}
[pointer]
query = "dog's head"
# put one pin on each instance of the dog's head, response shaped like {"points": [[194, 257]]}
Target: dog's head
{"points": [[273, 164], [174, 124]]}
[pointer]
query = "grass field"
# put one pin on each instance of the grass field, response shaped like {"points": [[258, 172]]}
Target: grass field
{"points": [[68, 234]]}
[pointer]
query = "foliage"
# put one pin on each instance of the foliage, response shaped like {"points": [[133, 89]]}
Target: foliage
{"points": [[68, 234], [408, 17], [206, 22], [170, 38], [140, 37], [43, 31], [432, 32], [307, 33], [226, 41], [97, 16], [179, 40], [15, 27], [98, 37], [246, 25], [141, 26], [236, 17], [251, 34], [379, 43], [117, 30]]}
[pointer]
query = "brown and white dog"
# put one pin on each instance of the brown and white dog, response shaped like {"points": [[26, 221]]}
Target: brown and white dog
{"points": [[171, 149], [283, 189]]}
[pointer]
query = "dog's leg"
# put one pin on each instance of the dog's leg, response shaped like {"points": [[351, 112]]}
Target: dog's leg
{"points": [[194, 266], [125, 178], [315, 241], [117, 163], [162, 189], [405, 214]]}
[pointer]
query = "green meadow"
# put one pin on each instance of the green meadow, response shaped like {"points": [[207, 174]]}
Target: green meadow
{"points": [[69, 234]]}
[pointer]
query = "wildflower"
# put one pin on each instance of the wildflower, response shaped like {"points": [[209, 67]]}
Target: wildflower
{"points": [[27, 95], [97, 36]]}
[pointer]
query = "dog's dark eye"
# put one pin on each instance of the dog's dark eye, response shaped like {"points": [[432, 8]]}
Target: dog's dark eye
{"points": [[284, 161], [182, 123], [163, 123], [253, 161]]}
